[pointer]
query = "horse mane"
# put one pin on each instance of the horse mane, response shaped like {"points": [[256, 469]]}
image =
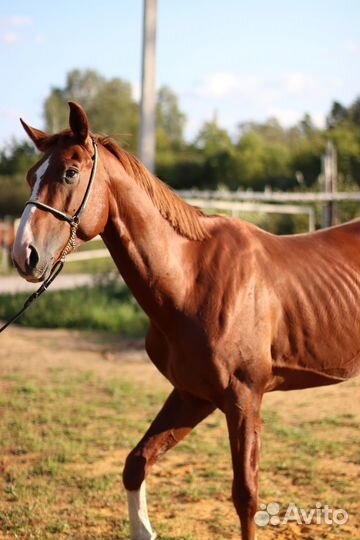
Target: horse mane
{"points": [[184, 218]]}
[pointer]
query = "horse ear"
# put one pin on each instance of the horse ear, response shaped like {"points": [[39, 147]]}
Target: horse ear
{"points": [[79, 124], [37, 136]]}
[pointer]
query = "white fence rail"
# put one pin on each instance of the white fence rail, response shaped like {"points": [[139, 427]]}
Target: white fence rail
{"points": [[88, 254], [219, 201], [238, 207], [271, 196], [244, 201]]}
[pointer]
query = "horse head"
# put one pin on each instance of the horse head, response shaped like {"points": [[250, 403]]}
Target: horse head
{"points": [[60, 182]]}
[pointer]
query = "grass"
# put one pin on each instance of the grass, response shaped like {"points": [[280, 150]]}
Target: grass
{"points": [[107, 306], [62, 429], [68, 421]]}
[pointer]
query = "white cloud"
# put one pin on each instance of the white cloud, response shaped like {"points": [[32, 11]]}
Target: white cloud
{"points": [[292, 84], [219, 85], [299, 83], [286, 96], [351, 46], [224, 84], [12, 27], [15, 21], [319, 119], [286, 116], [9, 38]]}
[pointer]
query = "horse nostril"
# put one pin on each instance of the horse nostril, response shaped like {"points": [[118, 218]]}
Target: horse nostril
{"points": [[33, 258]]}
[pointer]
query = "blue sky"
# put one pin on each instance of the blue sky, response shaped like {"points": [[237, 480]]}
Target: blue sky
{"points": [[244, 60]]}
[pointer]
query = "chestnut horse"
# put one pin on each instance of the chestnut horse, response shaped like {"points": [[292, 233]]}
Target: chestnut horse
{"points": [[7, 234], [234, 311]]}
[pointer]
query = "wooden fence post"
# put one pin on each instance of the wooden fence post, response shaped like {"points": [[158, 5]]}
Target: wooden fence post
{"points": [[329, 174]]}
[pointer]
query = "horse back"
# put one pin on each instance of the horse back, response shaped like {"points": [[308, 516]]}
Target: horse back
{"points": [[280, 312], [285, 306], [316, 285]]}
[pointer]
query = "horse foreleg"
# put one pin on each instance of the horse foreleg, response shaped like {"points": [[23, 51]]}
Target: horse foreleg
{"points": [[178, 416], [242, 409]]}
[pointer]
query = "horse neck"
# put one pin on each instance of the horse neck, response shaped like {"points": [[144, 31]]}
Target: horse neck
{"points": [[145, 248]]}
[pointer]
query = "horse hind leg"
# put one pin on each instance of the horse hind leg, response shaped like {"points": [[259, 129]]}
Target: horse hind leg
{"points": [[242, 410], [178, 416]]}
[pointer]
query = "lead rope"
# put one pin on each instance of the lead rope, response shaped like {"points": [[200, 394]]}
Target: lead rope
{"points": [[71, 244], [56, 269]]}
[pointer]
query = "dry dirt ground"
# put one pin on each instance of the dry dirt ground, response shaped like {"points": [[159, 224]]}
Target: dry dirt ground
{"points": [[73, 404]]}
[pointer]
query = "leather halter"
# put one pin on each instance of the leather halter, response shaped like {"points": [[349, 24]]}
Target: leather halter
{"points": [[75, 219], [74, 222]]}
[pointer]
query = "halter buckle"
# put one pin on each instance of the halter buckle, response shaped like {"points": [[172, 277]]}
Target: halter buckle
{"points": [[75, 222]]}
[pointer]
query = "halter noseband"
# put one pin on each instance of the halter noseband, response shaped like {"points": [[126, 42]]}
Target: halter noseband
{"points": [[74, 222]]}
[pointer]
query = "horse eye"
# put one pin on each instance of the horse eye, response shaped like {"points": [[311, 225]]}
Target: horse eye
{"points": [[71, 175]]}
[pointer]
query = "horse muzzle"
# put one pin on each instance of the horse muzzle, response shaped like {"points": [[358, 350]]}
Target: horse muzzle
{"points": [[30, 264]]}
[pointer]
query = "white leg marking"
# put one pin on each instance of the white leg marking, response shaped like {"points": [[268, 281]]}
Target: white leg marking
{"points": [[140, 528], [24, 235]]}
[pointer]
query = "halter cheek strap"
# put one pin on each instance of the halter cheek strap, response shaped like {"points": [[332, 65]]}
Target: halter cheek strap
{"points": [[63, 215], [74, 222]]}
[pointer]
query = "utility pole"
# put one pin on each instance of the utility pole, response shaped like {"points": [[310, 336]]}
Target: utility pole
{"points": [[148, 86], [329, 174]]}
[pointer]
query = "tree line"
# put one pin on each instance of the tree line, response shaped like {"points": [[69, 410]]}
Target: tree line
{"points": [[258, 156]]}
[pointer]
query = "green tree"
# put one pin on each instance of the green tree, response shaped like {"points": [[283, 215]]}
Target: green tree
{"points": [[216, 147], [248, 167], [262, 156], [307, 126], [81, 86], [306, 160], [338, 114], [15, 161], [170, 121], [212, 139], [354, 113], [271, 130], [171, 152], [109, 105], [114, 112], [305, 152], [347, 146], [17, 158]]}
